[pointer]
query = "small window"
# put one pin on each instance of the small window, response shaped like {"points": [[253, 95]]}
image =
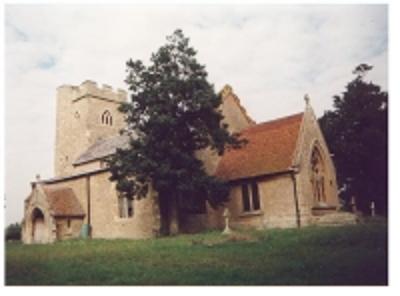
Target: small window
{"points": [[130, 207], [255, 196], [121, 207], [69, 223], [106, 118], [245, 198], [253, 203], [125, 207]]}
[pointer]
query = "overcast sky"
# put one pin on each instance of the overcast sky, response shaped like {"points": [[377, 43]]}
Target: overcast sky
{"points": [[270, 55]]}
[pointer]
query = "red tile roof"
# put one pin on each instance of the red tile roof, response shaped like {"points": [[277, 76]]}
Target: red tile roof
{"points": [[269, 150], [63, 202]]}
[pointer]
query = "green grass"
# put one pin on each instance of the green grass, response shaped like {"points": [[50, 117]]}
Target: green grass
{"points": [[349, 255]]}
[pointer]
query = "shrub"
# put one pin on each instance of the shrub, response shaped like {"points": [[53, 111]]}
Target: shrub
{"points": [[13, 232]]}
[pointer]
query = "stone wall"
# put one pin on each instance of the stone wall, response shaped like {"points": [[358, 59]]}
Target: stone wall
{"points": [[38, 201], [89, 167], [277, 208], [78, 121], [105, 219], [311, 137], [65, 231], [104, 211], [234, 114], [277, 204]]}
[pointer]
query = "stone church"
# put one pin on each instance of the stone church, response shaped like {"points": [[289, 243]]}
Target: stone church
{"points": [[283, 177]]}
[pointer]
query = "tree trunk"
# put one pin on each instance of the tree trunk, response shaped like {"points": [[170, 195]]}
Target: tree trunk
{"points": [[164, 214], [173, 214], [168, 214]]}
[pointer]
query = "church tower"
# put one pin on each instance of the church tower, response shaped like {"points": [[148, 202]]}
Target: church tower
{"points": [[85, 114]]}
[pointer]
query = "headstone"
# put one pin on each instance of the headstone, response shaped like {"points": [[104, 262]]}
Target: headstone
{"points": [[227, 216]]}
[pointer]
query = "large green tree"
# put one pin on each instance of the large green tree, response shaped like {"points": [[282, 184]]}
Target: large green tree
{"points": [[172, 113], [357, 134]]}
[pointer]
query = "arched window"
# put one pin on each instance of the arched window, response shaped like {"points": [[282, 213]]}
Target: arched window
{"points": [[318, 177], [106, 118]]}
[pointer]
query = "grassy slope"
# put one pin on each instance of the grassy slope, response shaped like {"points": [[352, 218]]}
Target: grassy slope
{"points": [[350, 255]]}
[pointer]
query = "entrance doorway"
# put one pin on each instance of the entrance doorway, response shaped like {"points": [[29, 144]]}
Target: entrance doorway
{"points": [[38, 227]]}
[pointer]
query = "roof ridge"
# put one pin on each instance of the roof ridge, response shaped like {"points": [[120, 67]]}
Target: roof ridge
{"points": [[281, 118], [273, 121]]}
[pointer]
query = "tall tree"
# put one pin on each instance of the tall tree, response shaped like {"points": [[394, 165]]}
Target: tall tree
{"points": [[356, 132], [172, 114]]}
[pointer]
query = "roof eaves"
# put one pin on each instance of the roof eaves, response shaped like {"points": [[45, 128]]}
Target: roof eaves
{"points": [[259, 176], [65, 178]]}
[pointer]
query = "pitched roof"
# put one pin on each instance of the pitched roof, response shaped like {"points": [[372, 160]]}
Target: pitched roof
{"points": [[63, 202], [269, 150], [103, 148]]}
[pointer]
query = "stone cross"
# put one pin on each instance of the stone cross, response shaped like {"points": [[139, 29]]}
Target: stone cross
{"points": [[372, 209], [307, 99], [227, 216]]}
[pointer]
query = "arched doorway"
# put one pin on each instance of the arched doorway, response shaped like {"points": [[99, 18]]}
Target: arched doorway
{"points": [[318, 178], [38, 226]]}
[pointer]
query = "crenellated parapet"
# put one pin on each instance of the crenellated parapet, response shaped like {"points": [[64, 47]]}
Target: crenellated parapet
{"points": [[85, 114], [90, 88]]}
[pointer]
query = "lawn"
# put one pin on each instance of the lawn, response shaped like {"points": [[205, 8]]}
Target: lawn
{"points": [[348, 255]]}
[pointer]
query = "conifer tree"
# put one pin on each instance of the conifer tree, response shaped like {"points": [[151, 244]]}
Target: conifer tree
{"points": [[356, 132]]}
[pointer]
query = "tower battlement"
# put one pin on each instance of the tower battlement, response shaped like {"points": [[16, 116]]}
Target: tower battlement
{"points": [[85, 114], [89, 88]]}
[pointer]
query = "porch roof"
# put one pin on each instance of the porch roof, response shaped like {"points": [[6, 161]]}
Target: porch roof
{"points": [[63, 202]]}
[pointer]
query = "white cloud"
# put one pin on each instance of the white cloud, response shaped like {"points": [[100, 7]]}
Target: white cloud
{"points": [[271, 55]]}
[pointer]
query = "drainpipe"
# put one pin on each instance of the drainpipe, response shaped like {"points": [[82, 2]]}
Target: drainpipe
{"points": [[293, 173], [88, 206]]}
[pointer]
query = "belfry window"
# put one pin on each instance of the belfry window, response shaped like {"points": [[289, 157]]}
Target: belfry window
{"points": [[250, 197], [106, 118]]}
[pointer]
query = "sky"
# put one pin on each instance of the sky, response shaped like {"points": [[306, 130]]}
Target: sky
{"points": [[271, 55]]}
